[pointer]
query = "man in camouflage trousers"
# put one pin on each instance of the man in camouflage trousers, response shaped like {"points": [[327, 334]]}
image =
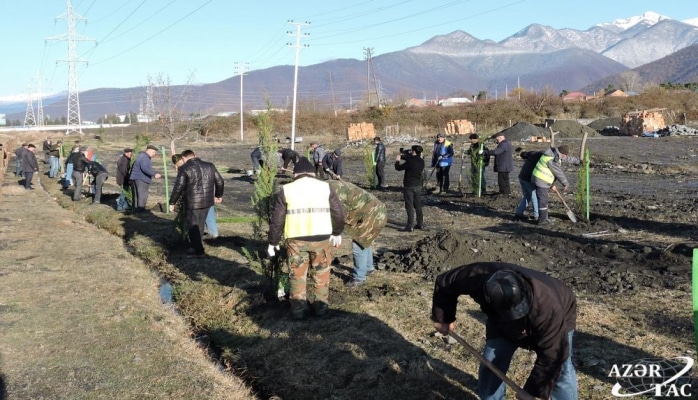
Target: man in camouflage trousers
{"points": [[309, 215], [364, 217]]}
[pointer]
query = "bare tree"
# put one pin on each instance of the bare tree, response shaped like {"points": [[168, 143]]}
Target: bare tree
{"points": [[173, 123], [630, 81]]}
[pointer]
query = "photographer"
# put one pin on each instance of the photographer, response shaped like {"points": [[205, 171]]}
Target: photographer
{"points": [[412, 163]]}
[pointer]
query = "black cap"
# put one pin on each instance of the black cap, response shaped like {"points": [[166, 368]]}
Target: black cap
{"points": [[303, 166], [128, 150], [338, 152], [151, 147], [438, 135], [508, 293]]}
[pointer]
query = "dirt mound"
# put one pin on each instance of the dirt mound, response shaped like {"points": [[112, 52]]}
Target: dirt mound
{"points": [[602, 123], [522, 131], [615, 268], [572, 129]]}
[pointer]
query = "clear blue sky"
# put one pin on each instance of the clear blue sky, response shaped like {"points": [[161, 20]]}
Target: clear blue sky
{"points": [[205, 38]]}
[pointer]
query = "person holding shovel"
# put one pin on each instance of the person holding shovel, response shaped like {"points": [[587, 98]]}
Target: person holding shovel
{"points": [[441, 160], [332, 164], [547, 171], [525, 309]]}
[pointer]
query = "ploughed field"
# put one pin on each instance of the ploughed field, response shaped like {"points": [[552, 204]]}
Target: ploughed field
{"points": [[630, 266]]}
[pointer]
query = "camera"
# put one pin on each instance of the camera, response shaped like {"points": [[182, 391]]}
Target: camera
{"points": [[405, 153]]}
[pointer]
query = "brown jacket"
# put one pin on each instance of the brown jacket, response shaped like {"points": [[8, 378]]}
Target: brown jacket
{"points": [[544, 330]]}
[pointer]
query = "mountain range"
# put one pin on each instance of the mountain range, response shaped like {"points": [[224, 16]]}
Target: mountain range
{"points": [[659, 48]]}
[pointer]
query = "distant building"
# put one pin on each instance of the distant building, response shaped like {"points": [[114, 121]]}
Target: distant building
{"points": [[454, 101], [615, 93], [575, 96], [417, 103]]}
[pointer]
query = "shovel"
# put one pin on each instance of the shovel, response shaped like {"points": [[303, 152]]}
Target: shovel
{"points": [[522, 394], [570, 214]]}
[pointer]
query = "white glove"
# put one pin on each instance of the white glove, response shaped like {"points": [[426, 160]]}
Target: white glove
{"points": [[271, 250], [336, 241], [480, 151]]}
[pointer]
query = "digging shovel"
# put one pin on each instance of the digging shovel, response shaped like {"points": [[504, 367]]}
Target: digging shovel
{"points": [[570, 214], [522, 394]]}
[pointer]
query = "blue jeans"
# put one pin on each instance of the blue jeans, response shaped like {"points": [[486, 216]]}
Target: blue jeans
{"points": [[68, 179], [53, 171], [500, 351], [529, 196], [363, 261], [211, 225]]}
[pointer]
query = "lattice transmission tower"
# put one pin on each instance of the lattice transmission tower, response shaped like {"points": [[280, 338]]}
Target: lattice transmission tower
{"points": [[74, 121], [29, 119]]}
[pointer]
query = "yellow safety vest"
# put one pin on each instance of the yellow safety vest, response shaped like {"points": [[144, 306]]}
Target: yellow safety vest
{"points": [[542, 171], [307, 208]]}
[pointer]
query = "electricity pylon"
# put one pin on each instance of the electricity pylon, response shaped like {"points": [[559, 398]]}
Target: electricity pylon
{"points": [[74, 121], [29, 119]]}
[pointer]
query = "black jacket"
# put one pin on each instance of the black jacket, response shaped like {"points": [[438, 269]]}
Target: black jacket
{"points": [[529, 165], [97, 168], [80, 162], [199, 181], [122, 167], [413, 167], [545, 329], [379, 154], [503, 157]]}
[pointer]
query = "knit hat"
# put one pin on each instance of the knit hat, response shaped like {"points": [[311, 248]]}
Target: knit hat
{"points": [[151, 147], [564, 149], [508, 294], [338, 152], [303, 166]]}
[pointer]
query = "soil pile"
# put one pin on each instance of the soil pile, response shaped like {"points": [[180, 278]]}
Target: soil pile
{"points": [[522, 131], [572, 129], [615, 268], [603, 123]]}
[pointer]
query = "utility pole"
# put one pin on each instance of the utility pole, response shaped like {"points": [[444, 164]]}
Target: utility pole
{"points": [[242, 68], [74, 121], [375, 82], [29, 119], [299, 25], [39, 104], [334, 104], [367, 54]]}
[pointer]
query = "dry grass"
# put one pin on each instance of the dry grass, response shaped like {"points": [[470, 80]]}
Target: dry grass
{"points": [[81, 317]]}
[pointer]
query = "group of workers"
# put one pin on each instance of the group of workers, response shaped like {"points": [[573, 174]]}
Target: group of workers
{"points": [[525, 308]]}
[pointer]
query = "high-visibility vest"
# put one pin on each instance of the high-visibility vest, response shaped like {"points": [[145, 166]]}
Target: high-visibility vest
{"points": [[307, 208], [542, 171]]}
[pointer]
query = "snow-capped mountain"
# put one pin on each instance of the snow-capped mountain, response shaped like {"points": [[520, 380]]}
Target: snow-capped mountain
{"points": [[630, 41], [649, 18], [692, 21]]}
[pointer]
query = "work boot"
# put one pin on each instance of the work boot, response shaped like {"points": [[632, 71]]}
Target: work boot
{"points": [[519, 217], [320, 308], [299, 309]]}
